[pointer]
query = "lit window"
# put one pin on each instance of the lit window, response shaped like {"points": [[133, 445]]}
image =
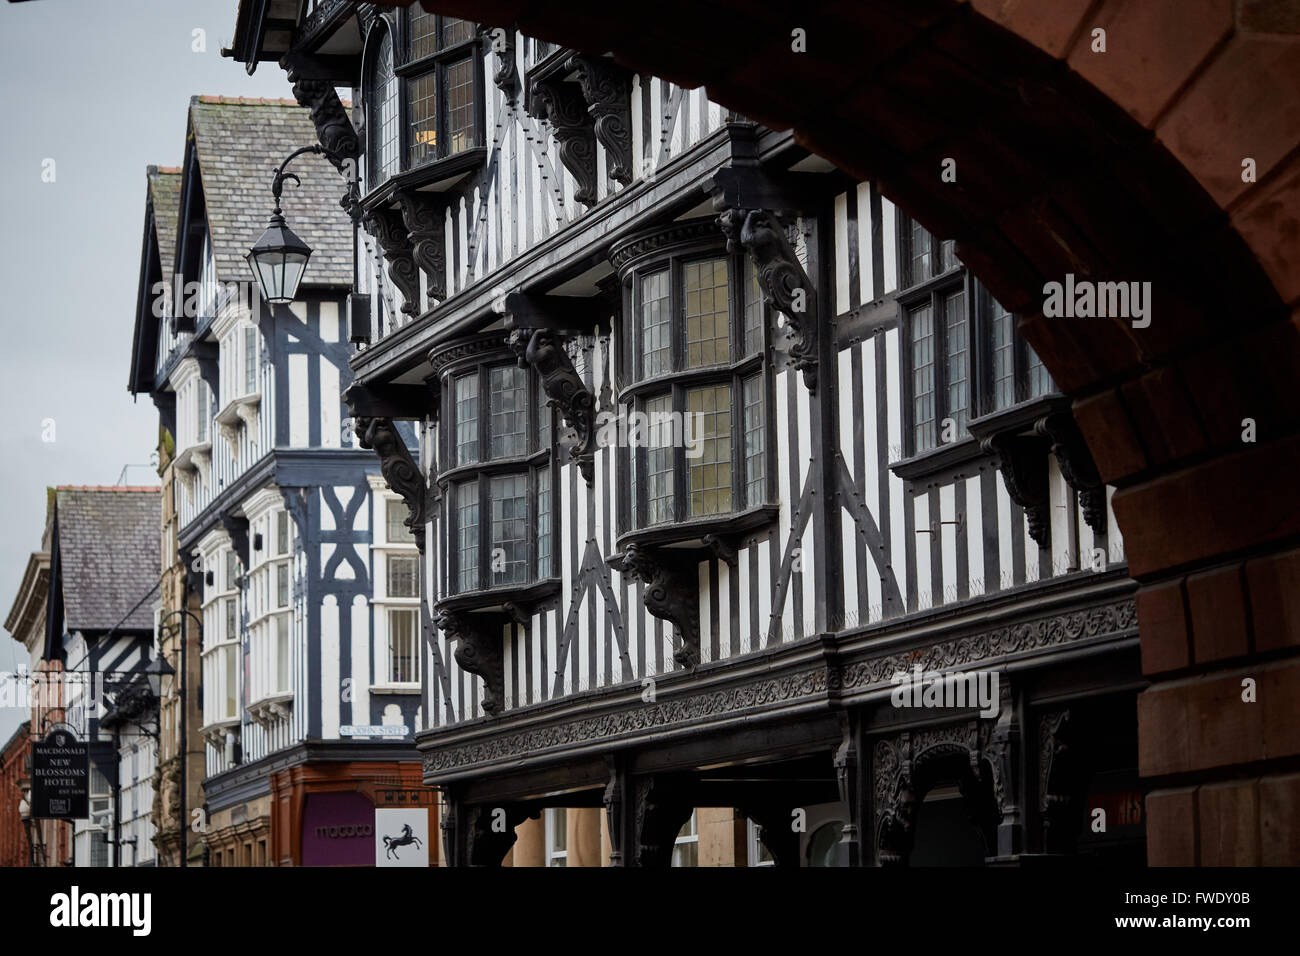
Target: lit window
{"points": [[708, 313], [441, 86], [710, 471]]}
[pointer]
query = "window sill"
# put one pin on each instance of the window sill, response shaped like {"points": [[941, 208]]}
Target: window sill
{"points": [[185, 460], [271, 709], [691, 376], [487, 599], [243, 408], [437, 176], [493, 466], [938, 459], [699, 534], [1018, 418]]}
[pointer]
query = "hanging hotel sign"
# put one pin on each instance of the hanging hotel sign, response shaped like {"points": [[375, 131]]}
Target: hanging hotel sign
{"points": [[61, 776]]}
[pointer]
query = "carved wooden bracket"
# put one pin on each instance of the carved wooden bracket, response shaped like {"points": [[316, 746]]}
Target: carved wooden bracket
{"points": [[398, 467], [502, 41], [661, 807], [562, 105], [545, 352], [334, 131], [774, 830], [387, 227], [478, 651], [671, 594], [424, 217], [784, 283], [607, 88], [1077, 466], [237, 527], [1023, 462]]}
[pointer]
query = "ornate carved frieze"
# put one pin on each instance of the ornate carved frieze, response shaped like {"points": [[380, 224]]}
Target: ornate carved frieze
{"points": [[671, 594], [1077, 466], [678, 233], [866, 675], [784, 283], [544, 351], [1023, 462], [478, 651], [607, 88], [398, 468], [390, 232], [424, 219], [561, 104]]}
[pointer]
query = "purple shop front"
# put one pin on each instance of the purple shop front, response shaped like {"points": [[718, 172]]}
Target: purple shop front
{"points": [[338, 829]]}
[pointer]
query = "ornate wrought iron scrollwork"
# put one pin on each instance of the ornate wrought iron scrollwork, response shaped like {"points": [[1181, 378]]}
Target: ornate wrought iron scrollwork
{"points": [[398, 468], [671, 594], [545, 352], [784, 283], [1077, 466], [607, 90], [562, 105], [423, 217], [389, 230], [1023, 462], [478, 651]]}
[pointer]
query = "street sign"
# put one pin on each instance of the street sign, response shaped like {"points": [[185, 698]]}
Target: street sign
{"points": [[374, 730], [61, 776], [401, 838]]}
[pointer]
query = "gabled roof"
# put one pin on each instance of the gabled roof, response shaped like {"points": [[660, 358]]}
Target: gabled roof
{"points": [[164, 198], [107, 542], [238, 143], [162, 210]]}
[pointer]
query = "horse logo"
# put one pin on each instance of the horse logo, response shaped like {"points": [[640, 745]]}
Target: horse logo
{"points": [[406, 839]]}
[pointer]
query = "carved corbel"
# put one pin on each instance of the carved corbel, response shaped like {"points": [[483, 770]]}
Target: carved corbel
{"points": [[607, 89], [397, 466], [502, 40], [237, 527], [562, 105], [423, 217], [334, 131], [478, 652], [722, 548], [1023, 462], [489, 841], [785, 285], [1077, 466], [545, 352], [671, 594], [389, 230], [662, 807]]}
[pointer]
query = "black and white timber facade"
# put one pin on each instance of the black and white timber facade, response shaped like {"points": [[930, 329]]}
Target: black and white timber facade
{"points": [[883, 476]]}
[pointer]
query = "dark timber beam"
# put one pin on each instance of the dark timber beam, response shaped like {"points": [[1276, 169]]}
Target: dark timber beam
{"points": [[398, 402]]}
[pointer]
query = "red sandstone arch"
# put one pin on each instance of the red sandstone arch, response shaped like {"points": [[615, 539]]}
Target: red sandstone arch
{"points": [[1122, 165]]}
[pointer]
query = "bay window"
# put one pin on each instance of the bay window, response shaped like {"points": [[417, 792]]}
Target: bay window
{"points": [[270, 601], [497, 472], [963, 357]]}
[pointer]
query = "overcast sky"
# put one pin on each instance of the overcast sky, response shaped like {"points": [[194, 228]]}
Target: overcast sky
{"points": [[102, 90]]}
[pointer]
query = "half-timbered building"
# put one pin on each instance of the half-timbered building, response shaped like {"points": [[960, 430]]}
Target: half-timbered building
{"points": [[729, 473], [301, 559]]}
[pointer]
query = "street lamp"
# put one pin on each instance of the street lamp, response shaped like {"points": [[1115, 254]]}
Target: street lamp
{"points": [[279, 257], [157, 669]]}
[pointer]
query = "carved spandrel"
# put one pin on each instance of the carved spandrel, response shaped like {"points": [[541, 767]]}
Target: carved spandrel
{"points": [[398, 468], [424, 219], [390, 232], [785, 286], [606, 87], [545, 352]]}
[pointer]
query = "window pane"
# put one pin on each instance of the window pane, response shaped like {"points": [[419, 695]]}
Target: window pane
{"points": [[710, 471], [202, 410], [467, 534], [460, 107], [250, 361], [422, 98], [509, 502], [947, 255], [282, 652], [402, 659], [396, 514], [382, 118], [232, 570], [282, 585], [1040, 380], [423, 31], [1001, 325], [403, 576], [231, 686], [232, 625], [282, 532], [656, 326], [467, 419], [659, 460], [923, 377], [753, 307], [508, 424], [544, 523], [544, 413], [958, 344], [708, 313], [456, 30], [919, 266], [755, 442]]}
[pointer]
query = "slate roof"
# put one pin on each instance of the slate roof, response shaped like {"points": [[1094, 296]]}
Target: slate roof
{"points": [[239, 143], [165, 192], [109, 554]]}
